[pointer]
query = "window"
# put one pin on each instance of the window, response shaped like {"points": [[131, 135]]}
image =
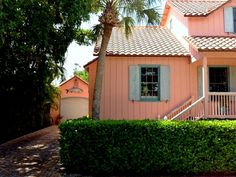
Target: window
{"points": [[234, 17], [149, 82], [218, 79], [230, 19]]}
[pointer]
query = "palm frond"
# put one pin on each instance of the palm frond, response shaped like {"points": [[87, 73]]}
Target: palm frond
{"points": [[127, 23], [103, 3], [129, 11], [152, 2], [132, 7], [97, 30], [141, 10], [153, 17]]}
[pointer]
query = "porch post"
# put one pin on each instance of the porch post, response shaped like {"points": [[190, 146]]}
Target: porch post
{"points": [[205, 85]]}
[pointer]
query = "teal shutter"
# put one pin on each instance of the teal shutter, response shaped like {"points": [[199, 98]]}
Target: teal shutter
{"points": [[229, 19], [232, 79], [164, 82], [200, 85], [134, 83]]}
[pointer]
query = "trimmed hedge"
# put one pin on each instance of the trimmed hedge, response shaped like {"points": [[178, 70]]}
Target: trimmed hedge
{"points": [[112, 147]]}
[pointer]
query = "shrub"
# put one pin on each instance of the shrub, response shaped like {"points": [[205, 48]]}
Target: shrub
{"points": [[148, 147]]}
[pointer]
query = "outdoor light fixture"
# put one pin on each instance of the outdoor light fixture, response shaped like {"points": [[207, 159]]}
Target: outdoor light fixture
{"points": [[75, 88]]}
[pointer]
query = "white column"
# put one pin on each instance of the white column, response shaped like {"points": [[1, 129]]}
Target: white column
{"points": [[205, 85]]}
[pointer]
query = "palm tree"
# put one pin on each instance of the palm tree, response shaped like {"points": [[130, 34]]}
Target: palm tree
{"points": [[118, 13]]}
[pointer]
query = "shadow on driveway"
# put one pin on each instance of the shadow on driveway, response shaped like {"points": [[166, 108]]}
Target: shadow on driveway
{"points": [[35, 154]]}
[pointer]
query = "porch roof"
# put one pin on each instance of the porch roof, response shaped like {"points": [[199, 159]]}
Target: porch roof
{"points": [[143, 41], [195, 8], [212, 43]]}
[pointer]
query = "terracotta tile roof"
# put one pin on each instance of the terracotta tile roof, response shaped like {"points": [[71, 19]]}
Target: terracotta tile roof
{"points": [[197, 7], [212, 43], [151, 41]]}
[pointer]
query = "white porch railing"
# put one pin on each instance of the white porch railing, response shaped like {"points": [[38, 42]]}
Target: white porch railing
{"points": [[222, 105], [193, 112], [219, 105], [180, 108]]}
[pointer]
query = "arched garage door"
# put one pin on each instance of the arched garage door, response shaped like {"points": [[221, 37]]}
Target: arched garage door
{"points": [[73, 107]]}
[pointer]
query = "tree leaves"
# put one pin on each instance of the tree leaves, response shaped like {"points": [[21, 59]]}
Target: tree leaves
{"points": [[82, 74], [34, 38]]}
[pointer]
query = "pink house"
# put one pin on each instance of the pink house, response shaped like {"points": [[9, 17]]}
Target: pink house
{"points": [[184, 69], [73, 101]]}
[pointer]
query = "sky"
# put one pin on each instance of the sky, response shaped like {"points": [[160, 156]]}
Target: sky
{"points": [[77, 56]]}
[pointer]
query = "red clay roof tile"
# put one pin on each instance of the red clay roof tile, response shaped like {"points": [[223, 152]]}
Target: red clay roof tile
{"points": [[144, 41], [197, 7], [212, 43]]}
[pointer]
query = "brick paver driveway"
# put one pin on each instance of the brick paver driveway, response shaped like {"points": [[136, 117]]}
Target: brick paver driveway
{"points": [[35, 154]]}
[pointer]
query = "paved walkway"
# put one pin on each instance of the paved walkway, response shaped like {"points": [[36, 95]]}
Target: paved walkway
{"points": [[33, 155]]}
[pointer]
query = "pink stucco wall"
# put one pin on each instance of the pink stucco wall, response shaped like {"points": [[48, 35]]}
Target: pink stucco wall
{"points": [[115, 94], [69, 84], [212, 25], [115, 103], [92, 69], [181, 19]]}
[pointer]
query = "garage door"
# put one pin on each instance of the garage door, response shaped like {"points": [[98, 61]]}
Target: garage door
{"points": [[73, 107]]}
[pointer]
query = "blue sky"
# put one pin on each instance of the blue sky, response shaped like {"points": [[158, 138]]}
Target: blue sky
{"points": [[80, 55]]}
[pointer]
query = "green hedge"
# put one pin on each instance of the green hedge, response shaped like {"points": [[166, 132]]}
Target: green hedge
{"points": [[148, 147]]}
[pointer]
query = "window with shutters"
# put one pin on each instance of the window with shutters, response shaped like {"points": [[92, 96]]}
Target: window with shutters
{"points": [[234, 19], [150, 83], [230, 19]]}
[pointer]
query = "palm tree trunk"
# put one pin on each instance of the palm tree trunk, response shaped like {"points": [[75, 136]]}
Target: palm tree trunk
{"points": [[100, 71]]}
